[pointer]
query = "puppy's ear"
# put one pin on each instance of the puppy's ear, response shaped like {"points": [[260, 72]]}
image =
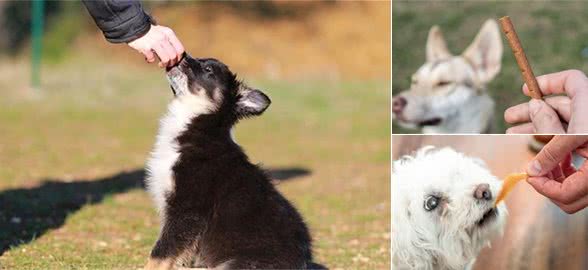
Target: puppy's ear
{"points": [[251, 101], [485, 52], [436, 46]]}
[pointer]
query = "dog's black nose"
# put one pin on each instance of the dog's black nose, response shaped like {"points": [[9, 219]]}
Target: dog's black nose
{"points": [[483, 192], [398, 104]]}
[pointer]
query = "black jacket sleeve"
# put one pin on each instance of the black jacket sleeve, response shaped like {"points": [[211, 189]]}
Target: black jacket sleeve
{"points": [[120, 21]]}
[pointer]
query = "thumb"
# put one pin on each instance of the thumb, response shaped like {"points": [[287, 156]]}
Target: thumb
{"points": [[553, 153], [545, 120]]}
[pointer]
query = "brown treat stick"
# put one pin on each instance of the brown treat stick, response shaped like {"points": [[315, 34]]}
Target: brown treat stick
{"points": [[519, 53]]}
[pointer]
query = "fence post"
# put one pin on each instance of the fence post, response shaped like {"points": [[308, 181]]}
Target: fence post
{"points": [[36, 42]]}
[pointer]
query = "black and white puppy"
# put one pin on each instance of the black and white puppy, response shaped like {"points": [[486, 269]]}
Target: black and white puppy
{"points": [[216, 207]]}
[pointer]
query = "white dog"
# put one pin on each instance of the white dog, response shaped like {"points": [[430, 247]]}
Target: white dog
{"points": [[448, 93], [443, 210]]}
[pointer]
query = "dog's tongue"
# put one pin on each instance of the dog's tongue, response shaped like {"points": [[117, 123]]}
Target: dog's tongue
{"points": [[509, 182]]}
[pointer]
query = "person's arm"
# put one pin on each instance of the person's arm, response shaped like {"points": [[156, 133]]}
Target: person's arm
{"points": [[127, 22], [120, 21]]}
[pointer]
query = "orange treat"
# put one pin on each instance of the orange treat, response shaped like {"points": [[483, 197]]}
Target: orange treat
{"points": [[509, 182]]}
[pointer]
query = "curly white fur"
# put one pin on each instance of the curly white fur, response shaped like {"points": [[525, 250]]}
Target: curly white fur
{"points": [[448, 237]]}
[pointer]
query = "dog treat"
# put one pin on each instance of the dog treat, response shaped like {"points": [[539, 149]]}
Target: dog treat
{"points": [[521, 58], [509, 182]]}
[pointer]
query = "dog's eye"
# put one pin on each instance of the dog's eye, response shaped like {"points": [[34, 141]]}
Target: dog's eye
{"points": [[431, 203], [208, 69], [443, 83]]}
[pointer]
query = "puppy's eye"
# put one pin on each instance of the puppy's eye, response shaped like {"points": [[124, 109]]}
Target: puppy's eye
{"points": [[431, 203], [208, 69], [443, 83]]}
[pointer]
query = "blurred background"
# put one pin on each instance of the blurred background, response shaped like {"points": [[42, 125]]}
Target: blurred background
{"points": [[551, 35], [73, 146]]}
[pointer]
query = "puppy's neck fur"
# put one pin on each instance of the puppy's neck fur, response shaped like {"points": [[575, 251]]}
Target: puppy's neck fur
{"points": [[180, 115]]}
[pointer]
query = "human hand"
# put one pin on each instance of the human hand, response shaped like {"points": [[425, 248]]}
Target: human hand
{"points": [[552, 174], [162, 42], [566, 113]]}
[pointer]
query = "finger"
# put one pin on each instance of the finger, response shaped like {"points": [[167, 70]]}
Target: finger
{"points": [[171, 53], [517, 114], [164, 52], [567, 82], [570, 190], [175, 42], [520, 113], [562, 105], [526, 128], [567, 167], [574, 84], [553, 153], [573, 207], [579, 123], [149, 56], [175, 58], [557, 174], [544, 118]]}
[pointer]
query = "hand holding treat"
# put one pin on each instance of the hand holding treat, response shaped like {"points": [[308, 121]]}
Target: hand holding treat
{"points": [[554, 115], [553, 175], [564, 113]]}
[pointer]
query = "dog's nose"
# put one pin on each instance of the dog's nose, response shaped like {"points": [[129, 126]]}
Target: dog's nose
{"points": [[398, 104], [483, 192]]}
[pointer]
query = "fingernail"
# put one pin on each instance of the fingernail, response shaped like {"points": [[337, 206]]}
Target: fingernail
{"points": [[534, 168], [534, 106]]}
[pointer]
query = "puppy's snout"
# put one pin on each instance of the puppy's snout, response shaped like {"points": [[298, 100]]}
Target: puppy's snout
{"points": [[483, 192], [398, 104]]}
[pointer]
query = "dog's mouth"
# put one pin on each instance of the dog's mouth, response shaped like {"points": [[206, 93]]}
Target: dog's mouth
{"points": [[174, 73], [430, 122], [427, 122], [488, 217]]}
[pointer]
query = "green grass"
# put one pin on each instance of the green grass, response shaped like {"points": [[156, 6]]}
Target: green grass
{"points": [[71, 163], [551, 34]]}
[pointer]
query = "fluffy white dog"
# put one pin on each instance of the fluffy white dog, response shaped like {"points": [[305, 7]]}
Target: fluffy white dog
{"points": [[443, 210]]}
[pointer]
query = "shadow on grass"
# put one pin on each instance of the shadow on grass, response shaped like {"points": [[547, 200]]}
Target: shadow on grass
{"points": [[27, 213], [282, 174]]}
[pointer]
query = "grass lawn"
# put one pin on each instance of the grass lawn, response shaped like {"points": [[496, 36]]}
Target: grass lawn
{"points": [[552, 34], [71, 160]]}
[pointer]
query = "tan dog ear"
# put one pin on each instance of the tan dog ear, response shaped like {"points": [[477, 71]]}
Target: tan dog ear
{"points": [[251, 101], [436, 46], [485, 52]]}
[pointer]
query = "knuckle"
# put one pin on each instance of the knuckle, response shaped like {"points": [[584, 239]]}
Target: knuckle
{"points": [[566, 198], [549, 118], [577, 73], [549, 156]]}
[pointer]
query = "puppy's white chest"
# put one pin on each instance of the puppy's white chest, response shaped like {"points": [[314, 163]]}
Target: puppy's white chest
{"points": [[159, 169], [165, 154]]}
